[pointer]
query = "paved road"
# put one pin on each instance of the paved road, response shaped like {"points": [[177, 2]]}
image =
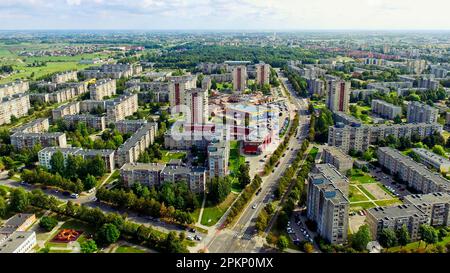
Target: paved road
{"points": [[241, 236]]}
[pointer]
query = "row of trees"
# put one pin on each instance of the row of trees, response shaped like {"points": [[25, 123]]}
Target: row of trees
{"points": [[75, 167], [218, 190], [128, 200], [318, 130], [40, 176], [20, 201], [298, 83], [282, 147]]}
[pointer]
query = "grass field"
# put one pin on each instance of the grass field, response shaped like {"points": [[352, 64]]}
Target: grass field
{"points": [[212, 214], [355, 195], [128, 249], [236, 159], [168, 155]]}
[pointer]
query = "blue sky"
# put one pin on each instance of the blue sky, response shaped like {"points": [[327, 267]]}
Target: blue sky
{"points": [[224, 14]]}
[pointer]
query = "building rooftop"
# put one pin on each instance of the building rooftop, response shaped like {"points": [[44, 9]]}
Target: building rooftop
{"points": [[137, 136], [393, 212], [13, 223], [431, 156], [143, 167], [12, 242], [430, 198]]}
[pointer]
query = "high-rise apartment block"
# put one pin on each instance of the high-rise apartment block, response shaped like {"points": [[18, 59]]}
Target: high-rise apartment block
{"points": [[328, 206], [385, 109], [338, 92], [262, 74], [102, 88], [239, 78], [337, 158], [121, 107], [64, 77], [218, 155], [420, 112]]}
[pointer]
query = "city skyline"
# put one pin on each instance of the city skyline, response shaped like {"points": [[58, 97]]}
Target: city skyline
{"points": [[225, 15]]}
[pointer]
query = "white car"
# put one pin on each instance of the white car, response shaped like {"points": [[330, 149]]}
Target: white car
{"points": [[74, 195], [254, 206], [190, 238]]}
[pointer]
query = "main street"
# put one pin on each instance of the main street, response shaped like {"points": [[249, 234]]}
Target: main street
{"points": [[240, 236]]}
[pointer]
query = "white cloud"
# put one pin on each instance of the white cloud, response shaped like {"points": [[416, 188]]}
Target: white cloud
{"points": [[231, 14]]}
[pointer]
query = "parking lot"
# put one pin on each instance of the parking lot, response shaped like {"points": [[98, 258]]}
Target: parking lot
{"points": [[397, 189], [298, 231]]}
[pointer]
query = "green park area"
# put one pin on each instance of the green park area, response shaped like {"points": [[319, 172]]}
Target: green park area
{"points": [[212, 214], [129, 249], [169, 155]]}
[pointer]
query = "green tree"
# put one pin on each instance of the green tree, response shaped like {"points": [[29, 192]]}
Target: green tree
{"points": [[19, 200], [3, 207], [89, 182], [439, 150], [88, 246], [403, 236], [97, 166], [244, 175], [48, 223], [388, 238], [57, 162], [361, 238], [108, 234], [282, 242], [428, 234], [397, 120]]}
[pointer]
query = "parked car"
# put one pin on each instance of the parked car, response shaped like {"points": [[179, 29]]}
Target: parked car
{"points": [[198, 238], [192, 230], [190, 238], [74, 195]]}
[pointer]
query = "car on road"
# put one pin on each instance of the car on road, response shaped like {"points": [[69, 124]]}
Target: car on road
{"points": [[254, 206], [259, 191], [74, 195], [310, 240], [190, 238], [192, 230], [23, 182], [261, 160]]}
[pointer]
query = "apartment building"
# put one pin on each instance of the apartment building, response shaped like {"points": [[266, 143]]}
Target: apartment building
{"points": [[16, 105], [328, 207], [197, 102], [415, 174], [337, 158], [206, 83], [129, 126], [218, 155], [345, 137], [64, 77], [18, 222], [239, 78], [385, 109], [35, 126], [435, 205], [113, 71], [121, 107], [395, 217], [338, 95], [316, 86], [18, 242], [439, 72], [178, 87], [147, 174], [428, 82], [102, 88], [225, 77], [195, 177], [420, 112], [13, 88], [72, 108], [91, 105], [156, 91], [345, 118], [130, 150], [27, 140], [45, 155], [359, 137], [416, 66], [95, 122], [432, 160], [262, 74], [338, 179]]}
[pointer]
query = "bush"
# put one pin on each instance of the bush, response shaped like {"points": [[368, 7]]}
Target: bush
{"points": [[48, 223]]}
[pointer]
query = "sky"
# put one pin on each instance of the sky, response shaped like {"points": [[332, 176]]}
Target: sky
{"points": [[226, 14]]}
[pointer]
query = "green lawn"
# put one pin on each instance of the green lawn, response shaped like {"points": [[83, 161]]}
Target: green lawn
{"points": [[360, 206], [415, 245], [214, 213], [385, 203], [236, 159], [114, 176], [128, 249], [168, 155], [355, 195], [359, 177], [367, 192]]}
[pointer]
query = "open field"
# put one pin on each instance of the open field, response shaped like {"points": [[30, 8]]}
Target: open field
{"points": [[212, 214]]}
